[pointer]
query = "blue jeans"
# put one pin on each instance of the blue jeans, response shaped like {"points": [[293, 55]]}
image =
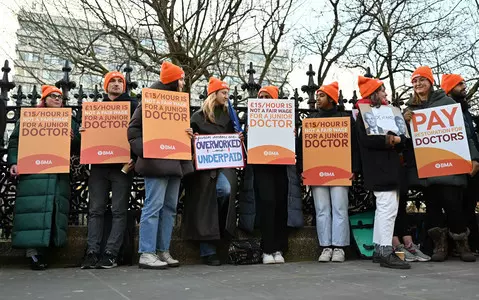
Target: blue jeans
{"points": [[332, 220], [223, 191], [158, 213]]}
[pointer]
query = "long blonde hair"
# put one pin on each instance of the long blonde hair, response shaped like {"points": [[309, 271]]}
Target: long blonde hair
{"points": [[208, 108], [417, 101]]}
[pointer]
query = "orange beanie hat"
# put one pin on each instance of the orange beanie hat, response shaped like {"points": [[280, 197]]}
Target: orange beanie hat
{"points": [[109, 76], [367, 86], [215, 85], [271, 90], [449, 81], [47, 90], [332, 90], [425, 72], [170, 72]]}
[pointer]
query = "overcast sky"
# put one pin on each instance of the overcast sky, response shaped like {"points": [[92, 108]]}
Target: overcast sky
{"points": [[347, 78]]}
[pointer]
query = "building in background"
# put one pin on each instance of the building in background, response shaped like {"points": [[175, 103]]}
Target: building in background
{"points": [[34, 66]]}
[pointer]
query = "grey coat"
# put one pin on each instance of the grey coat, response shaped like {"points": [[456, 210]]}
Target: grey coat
{"points": [[439, 98], [249, 219]]}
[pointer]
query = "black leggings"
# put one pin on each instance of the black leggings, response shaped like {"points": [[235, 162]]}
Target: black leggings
{"points": [[271, 192]]}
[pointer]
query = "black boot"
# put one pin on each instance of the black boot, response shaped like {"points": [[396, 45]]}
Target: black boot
{"points": [[211, 260], [439, 237], [462, 245], [37, 263]]}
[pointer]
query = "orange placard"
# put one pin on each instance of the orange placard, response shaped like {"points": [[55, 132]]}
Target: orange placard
{"points": [[440, 141], [44, 140], [327, 151], [104, 140], [166, 116]]}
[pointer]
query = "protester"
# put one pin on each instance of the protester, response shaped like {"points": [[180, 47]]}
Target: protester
{"points": [[209, 212], [42, 202], [443, 193], [455, 87], [331, 202], [272, 199], [103, 179], [162, 183], [381, 166]]}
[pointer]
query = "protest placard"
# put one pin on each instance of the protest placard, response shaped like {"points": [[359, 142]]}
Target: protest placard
{"points": [[381, 120], [271, 132], [216, 151], [104, 140], [440, 142], [44, 140], [327, 151], [166, 116]]}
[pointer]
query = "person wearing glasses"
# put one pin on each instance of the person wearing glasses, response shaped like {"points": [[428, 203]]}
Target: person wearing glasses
{"points": [[41, 211]]}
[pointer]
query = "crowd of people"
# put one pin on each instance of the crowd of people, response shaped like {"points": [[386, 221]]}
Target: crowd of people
{"points": [[270, 194]]}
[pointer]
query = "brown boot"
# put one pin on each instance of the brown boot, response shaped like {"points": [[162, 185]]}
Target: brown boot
{"points": [[462, 245], [439, 237]]}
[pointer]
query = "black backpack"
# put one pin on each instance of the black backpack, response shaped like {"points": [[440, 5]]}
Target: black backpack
{"points": [[245, 252]]}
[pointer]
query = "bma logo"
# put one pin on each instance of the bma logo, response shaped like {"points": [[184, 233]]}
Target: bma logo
{"points": [[443, 165], [326, 174], [100, 153], [43, 162], [167, 147], [271, 153]]}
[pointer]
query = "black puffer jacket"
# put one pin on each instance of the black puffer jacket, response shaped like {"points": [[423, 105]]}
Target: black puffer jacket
{"points": [[153, 167]]}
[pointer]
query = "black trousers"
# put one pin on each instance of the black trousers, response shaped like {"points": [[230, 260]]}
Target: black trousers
{"points": [[271, 192], [401, 226], [451, 200], [470, 202]]}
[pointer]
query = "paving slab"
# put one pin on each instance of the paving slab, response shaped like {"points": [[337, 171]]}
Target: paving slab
{"points": [[302, 280]]}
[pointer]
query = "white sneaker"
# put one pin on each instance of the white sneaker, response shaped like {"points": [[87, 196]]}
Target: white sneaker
{"points": [[268, 259], [151, 261], [326, 255], [338, 255], [278, 257], [166, 257]]}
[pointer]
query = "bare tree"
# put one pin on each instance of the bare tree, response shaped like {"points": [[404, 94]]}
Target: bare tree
{"points": [[404, 34], [189, 33], [339, 26]]}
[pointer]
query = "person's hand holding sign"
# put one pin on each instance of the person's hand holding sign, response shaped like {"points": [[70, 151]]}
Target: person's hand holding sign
{"points": [[241, 136], [475, 168], [190, 132], [14, 170], [408, 115]]}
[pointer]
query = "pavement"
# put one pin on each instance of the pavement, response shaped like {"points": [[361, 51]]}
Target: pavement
{"points": [[303, 280]]}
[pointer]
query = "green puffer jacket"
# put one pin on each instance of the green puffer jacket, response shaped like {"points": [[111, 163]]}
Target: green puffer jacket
{"points": [[439, 98], [42, 203]]}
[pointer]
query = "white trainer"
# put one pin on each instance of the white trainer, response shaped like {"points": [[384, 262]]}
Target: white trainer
{"points": [[166, 257], [338, 255], [151, 261], [268, 259], [278, 257], [326, 255]]}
